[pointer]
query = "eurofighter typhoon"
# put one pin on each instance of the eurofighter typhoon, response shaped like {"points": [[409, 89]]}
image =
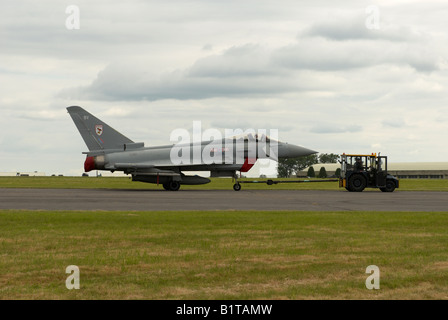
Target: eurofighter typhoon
{"points": [[112, 151]]}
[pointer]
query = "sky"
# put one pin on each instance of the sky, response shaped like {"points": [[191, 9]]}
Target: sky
{"points": [[351, 76]]}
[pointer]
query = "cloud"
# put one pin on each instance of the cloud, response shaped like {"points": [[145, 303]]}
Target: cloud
{"points": [[394, 123], [238, 71], [324, 55], [40, 115], [310, 69], [238, 61], [353, 27], [335, 128], [260, 70]]}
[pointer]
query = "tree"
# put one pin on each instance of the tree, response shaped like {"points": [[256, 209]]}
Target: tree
{"points": [[338, 173], [311, 172], [305, 162], [322, 173], [286, 167], [328, 158]]}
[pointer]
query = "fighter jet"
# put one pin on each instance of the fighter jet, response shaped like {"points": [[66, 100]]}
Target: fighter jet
{"points": [[112, 151]]}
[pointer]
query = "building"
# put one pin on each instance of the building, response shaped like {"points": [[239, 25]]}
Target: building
{"points": [[419, 170], [401, 170]]}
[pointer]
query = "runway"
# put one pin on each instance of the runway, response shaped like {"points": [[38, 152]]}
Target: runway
{"points": [[258, 200]]}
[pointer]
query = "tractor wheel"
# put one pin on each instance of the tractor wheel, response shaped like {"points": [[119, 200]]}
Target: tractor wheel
{"points": [[357, 183], [390, 186]]}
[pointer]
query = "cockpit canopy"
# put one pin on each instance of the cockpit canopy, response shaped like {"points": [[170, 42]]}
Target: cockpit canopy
{"points": [[252, 136]]}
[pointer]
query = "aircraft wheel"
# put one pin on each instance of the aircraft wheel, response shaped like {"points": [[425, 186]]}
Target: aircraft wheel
{"points": [[174, 185], [357, 183], [166, 186], [237, 187]]}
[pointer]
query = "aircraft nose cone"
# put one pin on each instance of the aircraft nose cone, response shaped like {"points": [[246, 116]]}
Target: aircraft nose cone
{"points": [[297, 151]]}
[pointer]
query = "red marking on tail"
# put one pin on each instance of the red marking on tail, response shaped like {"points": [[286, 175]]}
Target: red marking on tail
{"points": [[248, 164]]}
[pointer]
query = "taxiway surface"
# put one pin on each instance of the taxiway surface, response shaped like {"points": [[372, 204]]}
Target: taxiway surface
{"points": [[154, 200]]}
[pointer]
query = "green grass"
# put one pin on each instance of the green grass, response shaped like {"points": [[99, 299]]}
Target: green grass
{"points": [[223, 255], [216, 184], [424, 184]]}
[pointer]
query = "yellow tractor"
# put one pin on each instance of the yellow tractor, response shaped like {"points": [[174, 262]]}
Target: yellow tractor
{"points": [[360, 171]]}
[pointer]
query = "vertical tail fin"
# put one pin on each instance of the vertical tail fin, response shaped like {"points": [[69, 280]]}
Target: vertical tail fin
{"points": [[96, 133]]}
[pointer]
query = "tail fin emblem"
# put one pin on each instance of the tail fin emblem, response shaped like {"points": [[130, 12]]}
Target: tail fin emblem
{"points": [[99, 129]]}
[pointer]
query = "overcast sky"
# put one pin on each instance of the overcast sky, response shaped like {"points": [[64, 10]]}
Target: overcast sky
{"points": [[333, 76]]}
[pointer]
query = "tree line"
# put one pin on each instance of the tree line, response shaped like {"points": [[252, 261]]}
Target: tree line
{"points": [[287, 167]]}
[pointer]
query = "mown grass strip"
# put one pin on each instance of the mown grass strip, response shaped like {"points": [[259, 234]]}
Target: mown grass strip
{"points": [[223, 255]]}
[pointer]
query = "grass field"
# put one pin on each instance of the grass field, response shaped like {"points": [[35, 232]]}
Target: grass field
{"points": [[223, 255], [216, 184]]}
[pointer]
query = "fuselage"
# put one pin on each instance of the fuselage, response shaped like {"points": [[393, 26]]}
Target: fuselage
{"points": [[226, 154]]}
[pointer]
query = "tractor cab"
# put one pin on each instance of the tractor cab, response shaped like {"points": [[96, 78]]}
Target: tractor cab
{"points": [[360, 171]]}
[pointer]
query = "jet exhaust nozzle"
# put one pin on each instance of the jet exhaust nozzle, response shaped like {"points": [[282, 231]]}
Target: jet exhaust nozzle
{"points": [[93, 163]]}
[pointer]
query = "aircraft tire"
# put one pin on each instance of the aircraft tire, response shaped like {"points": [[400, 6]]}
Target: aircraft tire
{"points": [[237, 187], [174, 185], [166, 186]]}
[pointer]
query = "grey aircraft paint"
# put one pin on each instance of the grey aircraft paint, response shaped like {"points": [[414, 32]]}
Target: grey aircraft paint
{"points": [[110, 150]]}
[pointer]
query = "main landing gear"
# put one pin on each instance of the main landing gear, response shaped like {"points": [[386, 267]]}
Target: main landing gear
{"points": [[172, 186]]}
